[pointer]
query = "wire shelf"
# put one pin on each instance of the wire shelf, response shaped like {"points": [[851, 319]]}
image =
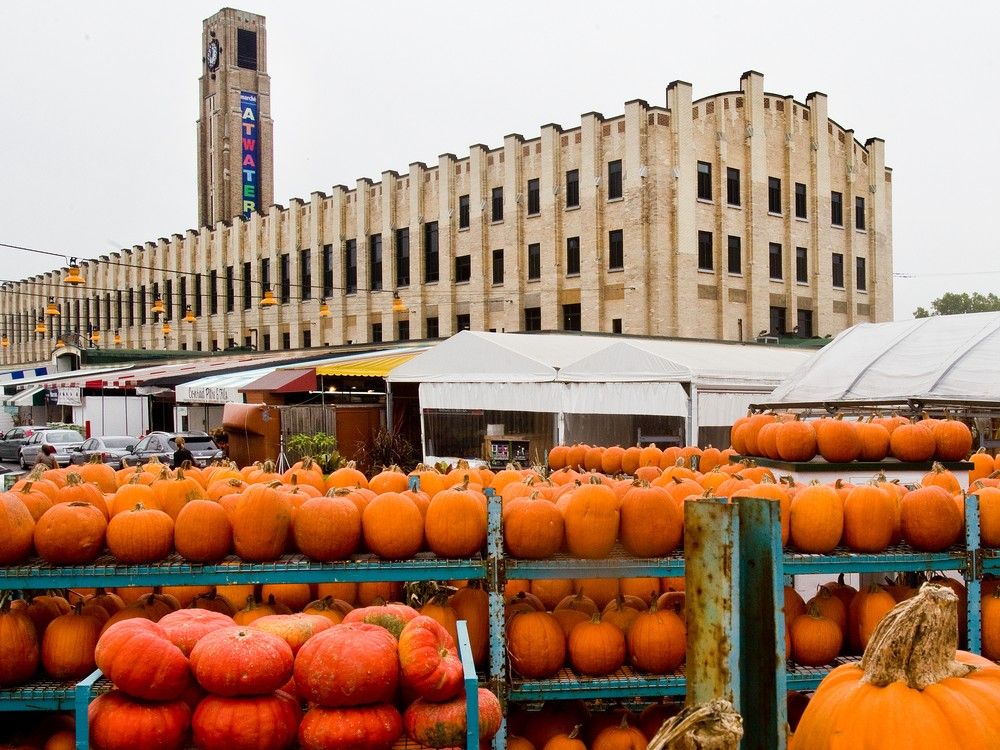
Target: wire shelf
{"points": [[624, 683], [175, 570], [990, 560], [45, 695], [615, 565], [799, 677], [897, 558]]}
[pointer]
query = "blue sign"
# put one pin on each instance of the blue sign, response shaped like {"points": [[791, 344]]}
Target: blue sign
{"points": [[251, 152]]}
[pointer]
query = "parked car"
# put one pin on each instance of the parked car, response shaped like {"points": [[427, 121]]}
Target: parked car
{"points": [[161, 446], [64, 441], [13, 439], [110, 448]]}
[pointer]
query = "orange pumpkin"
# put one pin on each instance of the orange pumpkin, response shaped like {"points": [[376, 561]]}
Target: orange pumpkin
{"points": [[590, 513], [930, 519], [816, 640], [17, 529], [536, 644], [261, 522], [70, 533], [869, 518], [795, 440], [202, 532], [141, 535], [533, 528], [657, 641], [346, 476], [327, 528], [912, 442], [68, 645], [816, 519], [456, 523], [596, 648], [393, 527], [952, 440], [837, 440], [652, 524]]}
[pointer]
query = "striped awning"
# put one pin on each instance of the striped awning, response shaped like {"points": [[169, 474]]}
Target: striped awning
{"points": [[366, 367]]}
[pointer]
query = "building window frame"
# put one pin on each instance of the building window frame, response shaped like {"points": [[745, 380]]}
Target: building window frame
{"points": [[801, 203], [734, 255], [861, 274], [706, 261], [572, 317], [498, 266], [463, 212], [859, 213], [837, 270], [496, 208], [704, 181], [534, 197], [573, 188], [402, 257], [775, 262], [432, 271], [801, 265], [534, 261], [615, 188], [733, 192], [375, 262], [572, 256], [351, 266], [463, 269], [616, 250], [836, 208], [774, 195]]}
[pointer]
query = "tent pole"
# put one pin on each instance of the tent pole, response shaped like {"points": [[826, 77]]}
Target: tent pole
{"points": [[692, 421]]}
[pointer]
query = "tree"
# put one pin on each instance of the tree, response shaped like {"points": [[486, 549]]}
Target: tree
{"points": [[952, 303]]}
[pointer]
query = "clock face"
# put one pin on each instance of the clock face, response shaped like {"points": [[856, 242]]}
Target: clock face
{"points": [[212, 54]]}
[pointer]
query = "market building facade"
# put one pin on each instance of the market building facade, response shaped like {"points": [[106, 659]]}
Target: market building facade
{"points": [[740, 215]]}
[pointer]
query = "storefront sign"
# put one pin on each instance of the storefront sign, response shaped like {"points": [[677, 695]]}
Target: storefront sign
{"points": [[251, 153], [208, 395], [69, 397]]}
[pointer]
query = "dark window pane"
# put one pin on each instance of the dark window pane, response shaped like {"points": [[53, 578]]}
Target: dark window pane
{"points": [[571, 317], [402, 257], [463, 268], [532, 318], [704, 181], [861, 274], [247, 287], [498, 266], [327, 270], [774, 260], [774, 195], [403, 330], [376, 332], [838, 270], [497, 212], [534, 261], [305, 274], [433, 330], [836, 209], [463, 212], [800, 200], [534, 197], [572, 255], [286, 340], [307, 339], [616, 250], [616, 325], [463, 322], [778, 321], [859, 212], [802, 265], [246, 49], [351, 266], [572, 188], [705, 259], [805, 323], [615, 179], [735, 259], [375, 262], [733, 186], [431, 272], [286, 278]]}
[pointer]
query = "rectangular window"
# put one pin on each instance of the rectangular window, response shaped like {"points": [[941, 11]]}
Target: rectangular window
{"points": [[463, 268], [433, 329], [532, 318], [704, 181], [197, 295], [431, 271], [497, 208], [571, 317], [327, 271], [705, 259], [463, 212], [778, 321], [246, 49], [230, 281], [838, 270], [307, 339], [375, 262], [616, 250], [213, 291], [733, 186], [305, 274], [836, 209], [534, 198], [861, 275], [800, 201], [774, 261], [614, 179], [265, 274], [859, 212], [402, 257], [131, 306], [350, 266], [572, 256], [805, 323], [802, 265], [616, 325], [118, 309], [403, 330], [285, 277], [498, 266], [376, 333], [534, 261], [463, 322], [573, 188], [735, 254], [286, 340], [168, 294], [107, 311], [247, 287], [774, 195]]}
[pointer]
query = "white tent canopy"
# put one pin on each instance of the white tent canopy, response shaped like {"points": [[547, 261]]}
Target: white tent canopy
{"points": [[940, 357], [587, 374]]}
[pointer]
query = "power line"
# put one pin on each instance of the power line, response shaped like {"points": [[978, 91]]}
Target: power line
{"points": [[931, 274]]}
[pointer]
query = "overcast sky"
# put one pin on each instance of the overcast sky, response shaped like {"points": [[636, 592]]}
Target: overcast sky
{"points": [[98, 103]]}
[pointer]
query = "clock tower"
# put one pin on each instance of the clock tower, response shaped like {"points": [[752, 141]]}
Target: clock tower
{"points": [[235, 131]]}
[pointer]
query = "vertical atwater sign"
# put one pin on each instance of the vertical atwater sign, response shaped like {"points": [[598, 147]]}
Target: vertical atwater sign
{"points": [[251, 152]]}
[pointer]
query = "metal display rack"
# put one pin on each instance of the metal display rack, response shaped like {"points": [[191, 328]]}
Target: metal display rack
{"points": [[732, 550]]}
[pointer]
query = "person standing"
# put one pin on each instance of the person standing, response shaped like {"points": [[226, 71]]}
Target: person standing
{"points": [[182, 454], [47, 457]]}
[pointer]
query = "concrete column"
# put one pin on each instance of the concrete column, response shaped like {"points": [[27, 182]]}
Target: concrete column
{"points": [[879, 190], [637, 307], [819, 215], [683, 254], [593, 232], [552, 186], [755, 211]]}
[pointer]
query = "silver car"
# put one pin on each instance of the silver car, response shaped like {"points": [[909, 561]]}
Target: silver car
{"points": [[64, 441], [110, 448]]}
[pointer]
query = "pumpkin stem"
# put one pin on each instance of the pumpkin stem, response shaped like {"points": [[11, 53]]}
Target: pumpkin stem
{"points": [[916, 641], [714, 725]]}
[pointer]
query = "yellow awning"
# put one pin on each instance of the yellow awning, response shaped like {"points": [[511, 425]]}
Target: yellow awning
{"points": [[366, 367]]}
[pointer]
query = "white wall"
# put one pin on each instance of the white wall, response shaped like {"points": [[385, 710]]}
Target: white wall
{"points": [[114, 415]]}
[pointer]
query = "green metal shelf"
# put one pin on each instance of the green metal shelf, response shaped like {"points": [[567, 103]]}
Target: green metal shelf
{"points": [[990, 560], [624, 683], [49, 695], [898, 558], [619, 563], [175, 571], [798, 677]]}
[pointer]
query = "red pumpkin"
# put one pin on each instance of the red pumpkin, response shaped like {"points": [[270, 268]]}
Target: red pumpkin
{"points": [[241, 661], [348, 665], [392, 617], [444, 724], [378, 726], [140, 660], [19, 650], [259, 722], [428, 660], [118, 722], [294, 629], [185, 627]]}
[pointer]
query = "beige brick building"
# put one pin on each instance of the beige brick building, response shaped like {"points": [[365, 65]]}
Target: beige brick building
{"points": [[740, 213]]}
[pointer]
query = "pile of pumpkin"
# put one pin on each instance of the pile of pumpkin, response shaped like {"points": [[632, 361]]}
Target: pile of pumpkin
{"points": [[839, 620], [788, 437], [198, 672], [595, 625]]}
